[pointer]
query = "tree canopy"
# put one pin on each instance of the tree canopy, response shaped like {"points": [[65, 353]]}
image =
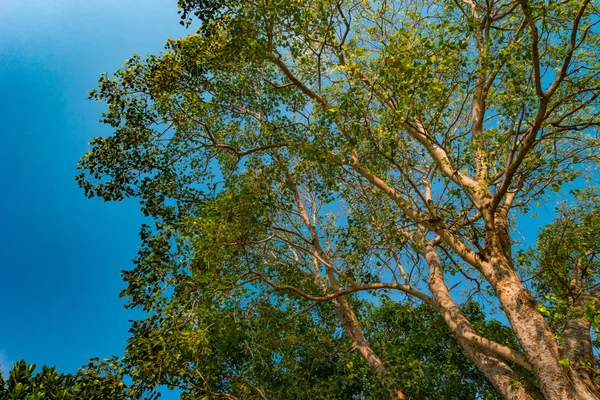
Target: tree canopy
{"points": [[96, 381], [338, 188]]}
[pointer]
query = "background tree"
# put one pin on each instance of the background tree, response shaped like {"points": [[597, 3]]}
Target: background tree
{"points": [[96, 381], [323, 150]]}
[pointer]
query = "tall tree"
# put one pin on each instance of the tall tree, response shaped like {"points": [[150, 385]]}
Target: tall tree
{"points": [[324, 150]]}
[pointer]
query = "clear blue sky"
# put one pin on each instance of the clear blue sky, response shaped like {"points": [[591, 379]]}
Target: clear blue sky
{"points": [[60, 253]]}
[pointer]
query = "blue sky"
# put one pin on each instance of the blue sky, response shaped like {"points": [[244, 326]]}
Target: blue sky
{"points": [[61, 253]]}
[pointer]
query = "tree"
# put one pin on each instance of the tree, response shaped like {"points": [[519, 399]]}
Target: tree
{"points": [[323, 151], [94, 382]]}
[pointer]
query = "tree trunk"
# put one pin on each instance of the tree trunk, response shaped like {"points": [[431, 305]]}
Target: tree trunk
{"points": [[577, 347], [533, 333]]}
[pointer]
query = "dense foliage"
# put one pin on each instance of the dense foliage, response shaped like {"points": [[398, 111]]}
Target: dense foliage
{"points": [[267, 350], [90, 383]]}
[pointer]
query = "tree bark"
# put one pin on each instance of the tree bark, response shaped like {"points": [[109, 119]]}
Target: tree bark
{"points": [[577, 346], [531, 329]]}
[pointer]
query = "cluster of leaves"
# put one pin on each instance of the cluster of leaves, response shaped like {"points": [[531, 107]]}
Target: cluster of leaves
{"points": [[97, 381]]}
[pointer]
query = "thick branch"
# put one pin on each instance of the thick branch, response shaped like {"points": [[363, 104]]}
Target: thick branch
{"points": [[342, 307], [535, 51]]}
